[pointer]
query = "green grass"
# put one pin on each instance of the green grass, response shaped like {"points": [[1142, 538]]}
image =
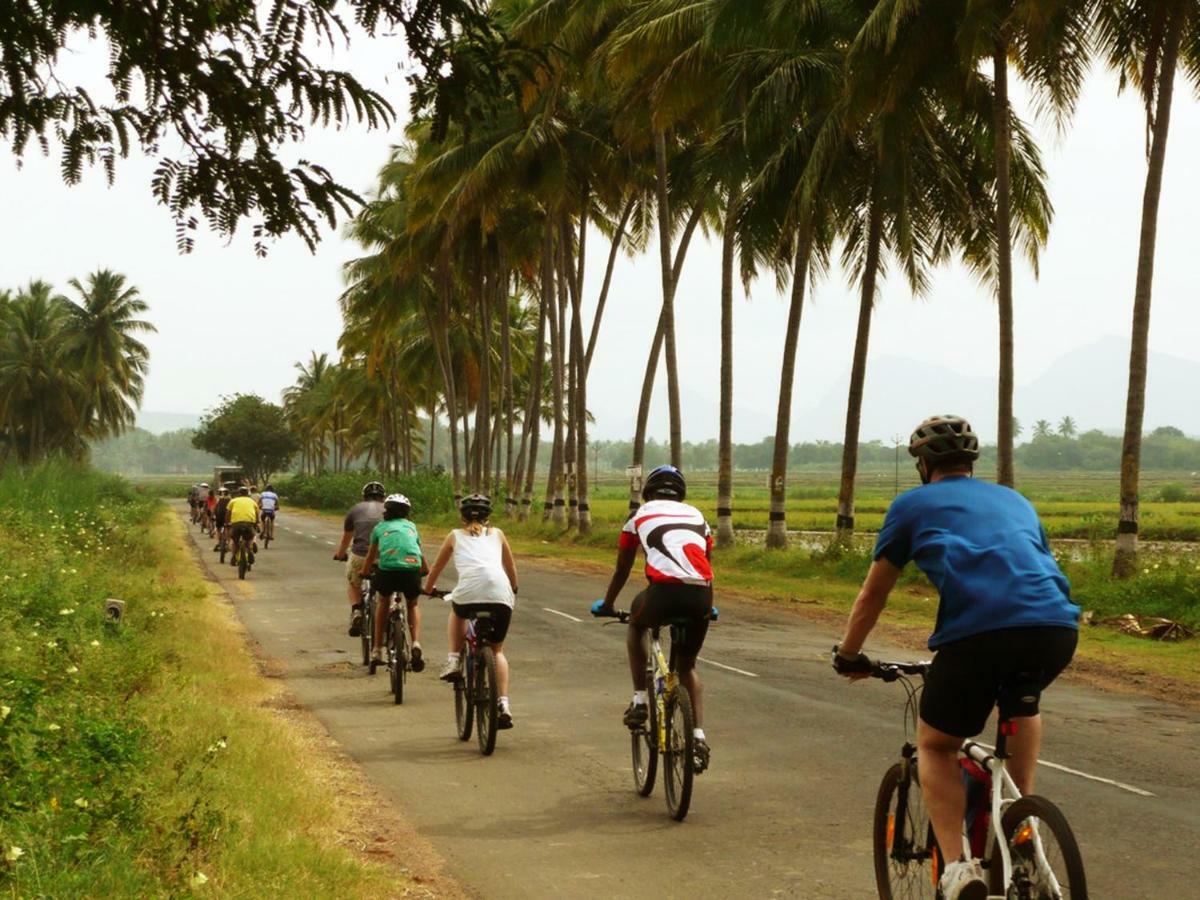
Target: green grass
{"points": [[122, 774]]}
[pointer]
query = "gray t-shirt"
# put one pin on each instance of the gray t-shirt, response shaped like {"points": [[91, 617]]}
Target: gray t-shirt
{"points": [[362, 518]]}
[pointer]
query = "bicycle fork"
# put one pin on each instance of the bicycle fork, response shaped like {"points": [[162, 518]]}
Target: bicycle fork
{"points": [[666, 683]]}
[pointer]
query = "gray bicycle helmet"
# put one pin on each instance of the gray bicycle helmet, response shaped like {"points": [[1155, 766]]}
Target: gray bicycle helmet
{"points": [[666, 483], [475, 508], [943, 438], [373, 489]]}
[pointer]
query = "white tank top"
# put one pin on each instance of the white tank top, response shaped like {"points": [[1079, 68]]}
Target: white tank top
{"points": [[481, 577]]}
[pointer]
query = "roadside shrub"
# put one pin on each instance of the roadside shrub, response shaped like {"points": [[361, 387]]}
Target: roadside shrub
{"points": [[1174, 493], [1167, 586], [431, 493]]}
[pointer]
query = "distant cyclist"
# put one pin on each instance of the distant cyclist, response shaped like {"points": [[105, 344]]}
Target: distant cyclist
{"points": [[396, 549], [356, 538], [221, 516], [268, 505], [243, 521], [487, 580], [1006, 626], [678, 547]]}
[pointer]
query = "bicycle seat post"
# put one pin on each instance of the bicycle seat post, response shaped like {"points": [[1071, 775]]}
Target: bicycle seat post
{"points": [[1005, 728]]}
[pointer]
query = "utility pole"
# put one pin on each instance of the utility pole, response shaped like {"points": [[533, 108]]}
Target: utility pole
{"points": [[896, 438]]}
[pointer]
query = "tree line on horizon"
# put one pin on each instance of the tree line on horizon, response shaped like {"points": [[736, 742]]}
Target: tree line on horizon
{"points": [[880, 134]]}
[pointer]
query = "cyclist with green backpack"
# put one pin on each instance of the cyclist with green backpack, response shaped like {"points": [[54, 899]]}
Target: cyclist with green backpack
{"points": [[395, 550]]}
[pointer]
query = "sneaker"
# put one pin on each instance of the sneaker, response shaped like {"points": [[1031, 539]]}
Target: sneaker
{"points": [[636, 715], [377, 656], [963, 880], [504, 720], [356, 622], [452, 671], [700, 754], [418, 664]]}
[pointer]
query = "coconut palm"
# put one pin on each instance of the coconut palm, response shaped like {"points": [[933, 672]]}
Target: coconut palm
{"points": [[1066, 427], [1147, 42], [102, 343]]}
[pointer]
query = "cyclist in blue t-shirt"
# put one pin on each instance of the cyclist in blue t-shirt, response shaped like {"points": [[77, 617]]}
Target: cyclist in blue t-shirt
{"points": [[1005, 620]]}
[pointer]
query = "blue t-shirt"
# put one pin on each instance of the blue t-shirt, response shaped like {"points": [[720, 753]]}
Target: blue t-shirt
{"points": [[984, 549]]}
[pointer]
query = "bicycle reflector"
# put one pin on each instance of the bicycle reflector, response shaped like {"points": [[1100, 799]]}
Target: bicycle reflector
{"points": [[891, 830], [1024, 834]]}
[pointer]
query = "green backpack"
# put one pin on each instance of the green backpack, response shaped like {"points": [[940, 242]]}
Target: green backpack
{"points": [[399, 545]]}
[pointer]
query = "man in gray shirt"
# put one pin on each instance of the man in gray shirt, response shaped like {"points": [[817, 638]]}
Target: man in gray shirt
{"points": [[356, 538]]}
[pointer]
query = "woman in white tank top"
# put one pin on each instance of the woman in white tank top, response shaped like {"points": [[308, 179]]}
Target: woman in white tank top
{"points": [[487, 577]]}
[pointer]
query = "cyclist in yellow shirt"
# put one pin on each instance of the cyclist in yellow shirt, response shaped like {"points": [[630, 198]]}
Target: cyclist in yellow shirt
{"points": [[243, 520]]}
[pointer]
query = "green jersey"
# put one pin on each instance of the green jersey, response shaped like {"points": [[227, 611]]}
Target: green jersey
{"points": [[399, 545]]}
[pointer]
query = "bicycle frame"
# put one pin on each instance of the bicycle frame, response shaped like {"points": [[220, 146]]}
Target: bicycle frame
{"points": [[665, 683], [1003, 791]]}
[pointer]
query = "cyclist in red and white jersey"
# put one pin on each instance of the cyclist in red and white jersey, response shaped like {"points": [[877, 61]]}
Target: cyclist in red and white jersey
{"points": [[678, 547]]}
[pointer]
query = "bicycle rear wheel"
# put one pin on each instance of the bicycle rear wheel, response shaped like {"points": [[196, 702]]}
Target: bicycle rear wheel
{"points": [[677, 760], [243, 558], [644, 742], [1036, 816], [464, 706], [399, 651], [223, 551], [906, 854], [368, 628], [487, 701]]}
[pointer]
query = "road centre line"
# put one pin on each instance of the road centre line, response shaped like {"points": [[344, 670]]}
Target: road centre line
{"points": [[1098, 778], [561, 613], [728, 668]]}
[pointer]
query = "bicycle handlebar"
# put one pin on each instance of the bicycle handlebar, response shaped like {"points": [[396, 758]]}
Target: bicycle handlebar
{"points": [[435, 593], [892, 670]]}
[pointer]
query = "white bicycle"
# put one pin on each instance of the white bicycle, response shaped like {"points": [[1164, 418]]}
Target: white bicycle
{"points": [[1038, 858]]}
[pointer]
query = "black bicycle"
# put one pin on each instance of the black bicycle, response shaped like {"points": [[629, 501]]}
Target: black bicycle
{"points": [[477, 694], [368, 622], [397, 653], [1038, 859]]}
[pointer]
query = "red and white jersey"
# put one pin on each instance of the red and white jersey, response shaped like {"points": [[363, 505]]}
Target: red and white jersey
{"points": [[675, 539]]}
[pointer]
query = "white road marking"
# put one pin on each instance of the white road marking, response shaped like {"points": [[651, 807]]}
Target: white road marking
{"points": [[330, 543], [560, 613], [314, 537], [730, 668], [1098, 778]]}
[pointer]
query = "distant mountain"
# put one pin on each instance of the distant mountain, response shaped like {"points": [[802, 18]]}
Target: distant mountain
{"points": [[1087, 384], [159, 422]]}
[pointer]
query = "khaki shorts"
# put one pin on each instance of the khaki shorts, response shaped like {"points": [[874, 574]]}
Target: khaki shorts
{"points": [[354, 566]]}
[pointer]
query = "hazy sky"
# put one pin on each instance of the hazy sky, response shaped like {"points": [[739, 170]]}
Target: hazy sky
{"points": [[228, 321]]}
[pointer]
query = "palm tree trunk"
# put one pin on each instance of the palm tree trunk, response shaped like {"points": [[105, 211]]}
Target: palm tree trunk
{"points": [[1125, 559], [432, 433], [777, 526], [581, 513], [858, 374], [483, 414], [725, 439], [1004, 294], [554, 485], [533, 414], [438, 326], [510, 499], [668, 288], [639, 437], [608, 271], [566, 299]]}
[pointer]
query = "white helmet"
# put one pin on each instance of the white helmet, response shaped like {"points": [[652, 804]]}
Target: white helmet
{"points": [[204, 484], [398, 500]]}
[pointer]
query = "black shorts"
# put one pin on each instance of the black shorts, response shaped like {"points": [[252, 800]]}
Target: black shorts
{"points": [[1009, 667], [244, 530], [501, 616], [268, 513], [220, 519], [397, 581], [660, 603]]}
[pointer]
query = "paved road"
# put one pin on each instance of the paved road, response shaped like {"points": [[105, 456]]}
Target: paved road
{"points": [[797, 753]]}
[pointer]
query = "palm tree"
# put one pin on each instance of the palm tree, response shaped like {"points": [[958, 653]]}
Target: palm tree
{"points": [[1145, 42], [1066, 427], [110, 360], [1042, 428]]}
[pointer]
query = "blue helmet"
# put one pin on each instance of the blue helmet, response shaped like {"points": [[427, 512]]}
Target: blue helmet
{"points": [[664, 483]]}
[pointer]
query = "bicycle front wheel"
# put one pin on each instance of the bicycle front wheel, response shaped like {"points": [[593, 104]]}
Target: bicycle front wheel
{"points": [[1031, 821], [680, 750], [644, 742], [464, 707], [906, 854], [487, 701]]}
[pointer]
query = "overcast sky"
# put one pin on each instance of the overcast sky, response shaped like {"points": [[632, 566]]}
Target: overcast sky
{"points": [[228, 321]]}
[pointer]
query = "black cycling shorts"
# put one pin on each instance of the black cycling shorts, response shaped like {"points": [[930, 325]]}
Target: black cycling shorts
{"points": [[397, 581], [268, 513], [659, 603], [1009, 667], [220, 520], [501, 616], [244, 530]]}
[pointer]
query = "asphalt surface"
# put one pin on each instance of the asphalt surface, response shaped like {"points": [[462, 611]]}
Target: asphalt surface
{"points": [[784, 811]]}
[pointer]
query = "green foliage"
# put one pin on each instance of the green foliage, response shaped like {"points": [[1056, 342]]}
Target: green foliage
{"points": [[70, 370], [138, 452], [431, 493], [1166, 585], [251, 432], [1175, 493]]}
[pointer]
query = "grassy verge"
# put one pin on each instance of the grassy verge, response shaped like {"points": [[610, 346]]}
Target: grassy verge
{"points": [[149, 758]]}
